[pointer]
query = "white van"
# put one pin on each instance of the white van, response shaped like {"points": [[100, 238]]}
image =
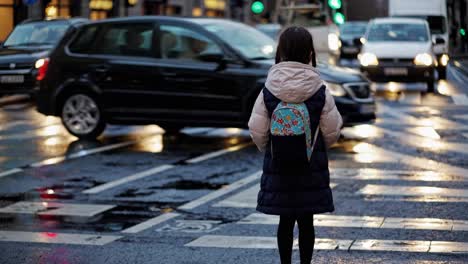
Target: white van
{"points": [[398, 50], [435, 13]]}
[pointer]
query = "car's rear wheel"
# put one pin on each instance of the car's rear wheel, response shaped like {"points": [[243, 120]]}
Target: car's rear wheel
{"points": [[82, 116]]}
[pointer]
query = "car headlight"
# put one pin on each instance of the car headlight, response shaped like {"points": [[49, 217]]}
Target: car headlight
{"points": [[334, 42], [444, 59], [423, 59], [368, 59], [335, 89]]}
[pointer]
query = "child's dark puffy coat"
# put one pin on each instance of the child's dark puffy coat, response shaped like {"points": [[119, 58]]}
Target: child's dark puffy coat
{"points": [[302, 190]]}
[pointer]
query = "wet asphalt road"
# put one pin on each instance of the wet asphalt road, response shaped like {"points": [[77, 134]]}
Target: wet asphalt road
{"points": [[138, 195]]}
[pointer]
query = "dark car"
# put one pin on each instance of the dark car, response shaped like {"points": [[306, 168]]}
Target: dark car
{"points": [[175, 72], [26, 44], [350, 38]]}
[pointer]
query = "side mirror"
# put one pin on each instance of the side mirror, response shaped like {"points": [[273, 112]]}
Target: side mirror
{"points": [[439, 41]]}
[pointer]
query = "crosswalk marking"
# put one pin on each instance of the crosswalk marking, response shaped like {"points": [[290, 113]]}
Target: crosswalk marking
{"points": [[411, 160], [246, 198], [161, 168], [133, 177], [464, 117], [460, 99], [410, 98], [223, 191], [56, 209], [434, 121], [149, 223], [330, 220], [404, 175], [373, 189], [258, 242], [56, 238], [428, 143], [217, 153]]}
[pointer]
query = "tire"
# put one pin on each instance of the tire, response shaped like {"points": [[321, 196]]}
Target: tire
{"points": [[430, 87], [442, 73], [82, 116]]}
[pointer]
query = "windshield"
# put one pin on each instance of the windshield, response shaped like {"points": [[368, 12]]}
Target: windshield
{"points": [[355, 29], [436, 23], [250, 42], [40, 33], [398, 32]]}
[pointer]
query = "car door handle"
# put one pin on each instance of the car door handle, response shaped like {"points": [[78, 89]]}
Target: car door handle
{"points": [[169, 74], [101, 69]]}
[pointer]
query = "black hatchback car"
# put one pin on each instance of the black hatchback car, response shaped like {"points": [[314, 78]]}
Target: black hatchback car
{"points": [[175, 72], [27, 43]]}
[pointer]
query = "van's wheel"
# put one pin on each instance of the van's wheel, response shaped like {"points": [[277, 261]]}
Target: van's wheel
{"points": [[82, 115], [430, 87]]}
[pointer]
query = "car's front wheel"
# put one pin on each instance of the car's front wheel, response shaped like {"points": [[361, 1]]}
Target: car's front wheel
{"points": [[82, 116]]}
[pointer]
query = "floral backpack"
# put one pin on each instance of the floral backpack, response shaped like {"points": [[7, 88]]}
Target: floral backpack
{"points": [[290, 131]]}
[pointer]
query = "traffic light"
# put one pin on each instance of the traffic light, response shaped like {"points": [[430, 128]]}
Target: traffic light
{"points": [[462, 32], [336, 7], [257, 7], [334, 4]]}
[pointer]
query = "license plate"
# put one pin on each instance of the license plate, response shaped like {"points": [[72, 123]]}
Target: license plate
{"points": [[12, 79], [350, 50], [396, 71], [367, 109]]}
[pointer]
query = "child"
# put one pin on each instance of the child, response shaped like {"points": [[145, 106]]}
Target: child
{"points": [[294, 121]]}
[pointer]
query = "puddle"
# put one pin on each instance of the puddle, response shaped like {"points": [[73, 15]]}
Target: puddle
{"points": [[190, 185]]}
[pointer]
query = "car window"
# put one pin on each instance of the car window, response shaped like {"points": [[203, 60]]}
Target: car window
{"points": [[39, 33], [353, 29], [83, 43], [398, 32], [126, 40], [180, 43]]}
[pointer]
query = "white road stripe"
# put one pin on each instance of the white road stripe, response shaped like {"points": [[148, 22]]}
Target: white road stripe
{"points": [[413, 161], [223, 191], [256, 242], [428, 143], [56, 238], [460, 99], [246, 198], [75, 155], [464, 117], [128, 179], [56, 209], [150, 223], [373, 189], [403, 175], [329, 220], [410, 98], [10, 172], [217, 153], [435, 122]]}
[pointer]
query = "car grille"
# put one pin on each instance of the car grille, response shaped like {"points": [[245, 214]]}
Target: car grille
{"points": [[396, 62], [359, 90], [18, 66]]}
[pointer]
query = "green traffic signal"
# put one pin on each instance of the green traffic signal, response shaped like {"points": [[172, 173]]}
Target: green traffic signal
{"points": [[257, 7], [339, 18], [334, 4], [462, 32]]}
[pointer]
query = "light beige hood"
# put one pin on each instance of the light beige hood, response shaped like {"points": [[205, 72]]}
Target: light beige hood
{"points": [[293, 82]]}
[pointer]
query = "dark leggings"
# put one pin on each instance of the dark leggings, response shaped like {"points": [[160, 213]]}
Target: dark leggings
{"points": [[306, 237]]}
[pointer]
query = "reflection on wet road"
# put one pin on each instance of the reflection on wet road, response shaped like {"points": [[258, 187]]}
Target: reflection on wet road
{"points": [[400, 189]]}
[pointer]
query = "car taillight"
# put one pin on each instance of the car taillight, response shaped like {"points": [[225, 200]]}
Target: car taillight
{"points": [[41, 66]]}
